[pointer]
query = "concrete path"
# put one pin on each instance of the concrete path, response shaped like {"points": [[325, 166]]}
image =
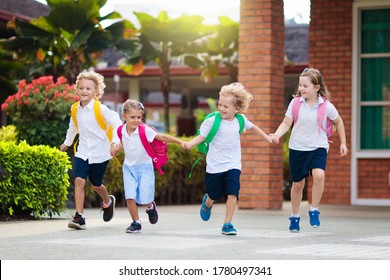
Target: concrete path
{"points": [[346, 233], [352, 242]]}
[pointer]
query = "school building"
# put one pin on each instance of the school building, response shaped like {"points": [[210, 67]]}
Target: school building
{"points": [[349, 42]]}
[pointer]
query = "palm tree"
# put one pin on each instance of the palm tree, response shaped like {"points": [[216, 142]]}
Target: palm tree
{"points": [[220, 48], [163, 39], [70, 38]]}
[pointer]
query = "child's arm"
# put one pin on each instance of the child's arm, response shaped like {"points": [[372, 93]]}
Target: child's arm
{"points": [[70, 135], [168, 139], [341, 131], [282, 129], [193, 142], [257, 130]]}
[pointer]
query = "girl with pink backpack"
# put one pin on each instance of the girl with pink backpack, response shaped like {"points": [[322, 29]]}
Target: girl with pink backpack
{"points": [[142, 146], [313, 116]]}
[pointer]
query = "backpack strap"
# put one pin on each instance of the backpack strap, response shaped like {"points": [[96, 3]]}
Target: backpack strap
{"points": [[295, 108], [73, 111], [119, 132], [99, 116], [73, 114], [241, 121], [145, 142], [214, 129], [321, 114]]}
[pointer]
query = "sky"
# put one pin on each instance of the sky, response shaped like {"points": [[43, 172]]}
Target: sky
{"points": [[209, 9]]}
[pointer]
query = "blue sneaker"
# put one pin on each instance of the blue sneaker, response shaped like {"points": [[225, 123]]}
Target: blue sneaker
{"points": [[314, 218], [294, 224], [205, 212], [228, 229]]}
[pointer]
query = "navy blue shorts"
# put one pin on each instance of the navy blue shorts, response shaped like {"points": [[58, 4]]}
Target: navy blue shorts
{"points": [[94, 171], [221, 184], [302, 162]]}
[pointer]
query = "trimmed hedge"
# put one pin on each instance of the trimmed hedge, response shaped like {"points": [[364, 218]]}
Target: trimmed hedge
{"points": [[33, 180]]}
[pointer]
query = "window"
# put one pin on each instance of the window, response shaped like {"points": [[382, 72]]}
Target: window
{"points": [[375, 79]]}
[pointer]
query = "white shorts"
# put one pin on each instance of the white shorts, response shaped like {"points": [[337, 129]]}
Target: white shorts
{"points": [[139, 182]]}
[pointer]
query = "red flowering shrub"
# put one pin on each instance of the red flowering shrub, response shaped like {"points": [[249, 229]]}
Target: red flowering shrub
{"points": [[40, 110]]}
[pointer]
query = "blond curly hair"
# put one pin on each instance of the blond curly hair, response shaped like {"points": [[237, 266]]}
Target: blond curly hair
{"points": [[241, 97], [95, 77]]}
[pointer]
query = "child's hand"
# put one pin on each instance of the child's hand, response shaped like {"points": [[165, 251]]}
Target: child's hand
{"points": [[343, 150], [114, 150], [63, 147], [274, 138], [186, 145]]}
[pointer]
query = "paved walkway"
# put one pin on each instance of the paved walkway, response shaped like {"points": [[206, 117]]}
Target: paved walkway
{"points": [[346, 233]]}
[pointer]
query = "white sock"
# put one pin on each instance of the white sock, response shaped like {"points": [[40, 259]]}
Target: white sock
{"points": [[108, 204], [147, 208], [295, 215], [313, 208], [138, 221]]}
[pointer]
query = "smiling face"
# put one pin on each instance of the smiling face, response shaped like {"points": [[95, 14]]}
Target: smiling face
{"points": [[226, 107], [307, 89], [133, 118], [87, 90]]}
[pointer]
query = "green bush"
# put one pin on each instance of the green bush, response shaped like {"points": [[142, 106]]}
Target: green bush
{"points": [[174, 187], [8, 133], [33, 180]]}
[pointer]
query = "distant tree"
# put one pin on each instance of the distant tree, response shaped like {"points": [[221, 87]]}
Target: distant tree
{"points": [[9, 72], [70, 38], [163, 39], [220, 48]]}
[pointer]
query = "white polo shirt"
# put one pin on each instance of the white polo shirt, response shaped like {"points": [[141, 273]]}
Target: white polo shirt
{"points": [[135, 152], [305, 135]]}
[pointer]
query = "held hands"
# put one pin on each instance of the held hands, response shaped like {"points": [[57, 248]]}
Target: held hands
{"points": [[274, 138], [269, 138], [114, 149], [186, 145]]}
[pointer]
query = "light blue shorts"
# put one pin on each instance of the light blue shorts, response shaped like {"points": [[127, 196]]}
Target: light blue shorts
{"points": [[139, 182]]}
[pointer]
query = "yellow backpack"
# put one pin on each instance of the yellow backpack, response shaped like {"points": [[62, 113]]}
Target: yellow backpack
{"points": [[98, 116]]}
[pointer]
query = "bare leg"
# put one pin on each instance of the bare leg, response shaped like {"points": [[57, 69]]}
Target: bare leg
{"points": [[230, 207], [102, 191], [209, 202], [318, 186], [296, 196], [79, 195], [133, 209]]}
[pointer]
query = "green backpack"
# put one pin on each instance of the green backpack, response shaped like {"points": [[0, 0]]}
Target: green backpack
{"points": [[203, 147]]}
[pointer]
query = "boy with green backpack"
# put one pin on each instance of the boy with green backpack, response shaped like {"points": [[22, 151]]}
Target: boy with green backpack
{"points": [[223, 159]]}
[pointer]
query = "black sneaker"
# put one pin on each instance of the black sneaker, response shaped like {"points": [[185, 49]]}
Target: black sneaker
{"points": [[134, 227], [152, 213], [78, 222], [108, 212]]}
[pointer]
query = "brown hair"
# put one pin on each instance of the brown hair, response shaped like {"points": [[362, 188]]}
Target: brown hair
{"points": [[316, 79]]}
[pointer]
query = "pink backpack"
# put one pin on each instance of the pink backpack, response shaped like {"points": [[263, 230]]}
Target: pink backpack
{"points": [[157, 149], [329, 129]]}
